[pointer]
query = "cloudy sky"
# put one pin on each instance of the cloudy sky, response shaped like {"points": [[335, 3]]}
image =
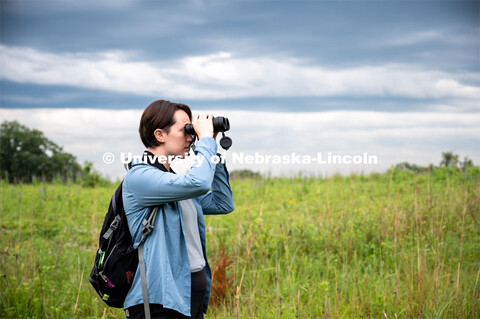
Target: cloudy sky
{"points": [[400, 80]]}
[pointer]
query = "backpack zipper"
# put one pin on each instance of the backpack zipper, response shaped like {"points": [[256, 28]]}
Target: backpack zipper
{"points": [[108, 257], [105, 278]]}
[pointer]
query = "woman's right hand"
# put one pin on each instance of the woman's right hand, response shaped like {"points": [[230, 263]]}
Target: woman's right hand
{"points": [[203, 125]]}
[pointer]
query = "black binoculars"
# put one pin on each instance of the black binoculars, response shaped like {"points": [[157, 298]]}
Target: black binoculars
{"points": [[220, 124]]}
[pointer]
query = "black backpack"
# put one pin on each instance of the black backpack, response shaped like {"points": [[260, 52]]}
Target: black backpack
{"points": [[116, 260]]}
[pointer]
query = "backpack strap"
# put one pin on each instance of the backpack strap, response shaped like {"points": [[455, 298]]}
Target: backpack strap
{"points": [[148, 225], [143, 276]]}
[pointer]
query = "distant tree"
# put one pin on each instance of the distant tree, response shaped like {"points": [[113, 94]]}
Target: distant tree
{"points": [[467, 163], [91, 177], [26, 153], [449, 159]]}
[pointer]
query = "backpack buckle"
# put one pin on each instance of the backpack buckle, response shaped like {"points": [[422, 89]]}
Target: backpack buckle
{"points": [[115, 223], [112, 228]]}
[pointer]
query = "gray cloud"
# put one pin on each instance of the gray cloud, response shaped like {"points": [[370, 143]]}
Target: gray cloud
{"points": [[223, 75], [340, 34]]}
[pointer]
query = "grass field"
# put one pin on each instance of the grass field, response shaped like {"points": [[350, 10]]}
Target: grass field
{"points": [[394, 245]]}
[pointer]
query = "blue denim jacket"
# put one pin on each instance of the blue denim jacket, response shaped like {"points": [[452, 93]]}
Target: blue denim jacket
{"points": [[166, 257]]}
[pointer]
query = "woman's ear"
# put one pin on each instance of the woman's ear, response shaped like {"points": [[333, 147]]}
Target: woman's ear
{"points": [[159, 135]]}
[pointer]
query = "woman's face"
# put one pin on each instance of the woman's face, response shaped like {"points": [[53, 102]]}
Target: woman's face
{"points": [[176, 142]]}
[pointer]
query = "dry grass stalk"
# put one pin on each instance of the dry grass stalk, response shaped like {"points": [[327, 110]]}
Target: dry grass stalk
{"points": [[222, 285]]}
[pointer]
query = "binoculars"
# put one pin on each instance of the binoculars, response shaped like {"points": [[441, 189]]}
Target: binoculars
{"points": [[220, 124]]}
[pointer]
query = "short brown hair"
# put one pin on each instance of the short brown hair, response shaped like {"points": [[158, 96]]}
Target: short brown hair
{"points": [[159, 114]]}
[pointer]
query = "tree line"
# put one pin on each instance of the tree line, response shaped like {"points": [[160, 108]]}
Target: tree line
{"points": [[27, 155], [449, 160]]}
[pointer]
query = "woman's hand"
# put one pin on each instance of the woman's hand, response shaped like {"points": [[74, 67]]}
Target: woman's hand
{"points": [[203, 125]]}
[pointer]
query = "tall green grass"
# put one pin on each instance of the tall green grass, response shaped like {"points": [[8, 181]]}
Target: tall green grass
{"points": [[394, 245]]}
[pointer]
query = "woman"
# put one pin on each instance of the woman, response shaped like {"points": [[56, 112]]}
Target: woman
{"points": [[178, 274]]}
